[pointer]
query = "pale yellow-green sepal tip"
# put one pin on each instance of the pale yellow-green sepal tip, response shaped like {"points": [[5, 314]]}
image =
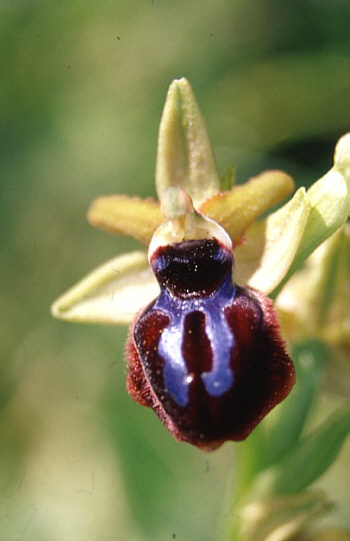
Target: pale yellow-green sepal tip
{"points": [[111, 294], [342, 155]]}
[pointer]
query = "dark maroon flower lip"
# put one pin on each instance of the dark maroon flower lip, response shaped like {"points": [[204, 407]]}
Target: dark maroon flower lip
{"points": [[206, 355]]}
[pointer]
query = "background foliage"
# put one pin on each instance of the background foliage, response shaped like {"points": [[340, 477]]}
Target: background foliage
{"points": [[82, 89]]}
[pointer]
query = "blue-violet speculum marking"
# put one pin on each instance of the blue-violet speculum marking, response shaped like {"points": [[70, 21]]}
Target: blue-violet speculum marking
{"points": [[207, 354]]}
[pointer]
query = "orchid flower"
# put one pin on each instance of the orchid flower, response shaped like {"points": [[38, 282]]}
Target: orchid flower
{"points": [[267, 252], [195, 206], [205, 348]]}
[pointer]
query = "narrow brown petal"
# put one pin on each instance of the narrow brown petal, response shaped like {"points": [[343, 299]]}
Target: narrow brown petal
{"points": [[124, 215], [237, 209]]}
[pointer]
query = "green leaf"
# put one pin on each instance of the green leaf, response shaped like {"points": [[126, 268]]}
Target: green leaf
{"points": [[271, 244], [313, 455], [112, 294], [250, 459], [274, 438], [286, 422], [185, 158]]}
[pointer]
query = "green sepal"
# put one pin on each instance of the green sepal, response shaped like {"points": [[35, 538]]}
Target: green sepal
{"points": [[271, 244], [185, 158], [111, 294], [329, 200]]}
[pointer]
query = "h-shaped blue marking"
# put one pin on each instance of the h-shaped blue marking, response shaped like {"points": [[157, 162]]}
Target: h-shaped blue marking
{"points": [[176, 375]]}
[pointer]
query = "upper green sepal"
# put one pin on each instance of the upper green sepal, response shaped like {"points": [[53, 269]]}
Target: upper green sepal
{"points": [[185, 158]]}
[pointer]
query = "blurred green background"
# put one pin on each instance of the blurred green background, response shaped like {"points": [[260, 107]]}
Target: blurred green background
{"points": [[82, 89]]}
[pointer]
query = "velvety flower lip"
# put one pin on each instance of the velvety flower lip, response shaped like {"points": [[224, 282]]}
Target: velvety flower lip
{"points": [[193, 227], [206, 355]]}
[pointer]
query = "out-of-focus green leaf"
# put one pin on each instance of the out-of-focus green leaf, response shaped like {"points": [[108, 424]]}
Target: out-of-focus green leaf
{"points": [[184, 157], [289, 418], [111, 294], [282, 518], [286, 97], [250, 457], [271, 245], [313, 455], [329, 534]]}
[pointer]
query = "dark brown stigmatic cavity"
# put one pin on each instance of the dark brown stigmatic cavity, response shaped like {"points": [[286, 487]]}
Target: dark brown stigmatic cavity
{"points": [[207, 354]]}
